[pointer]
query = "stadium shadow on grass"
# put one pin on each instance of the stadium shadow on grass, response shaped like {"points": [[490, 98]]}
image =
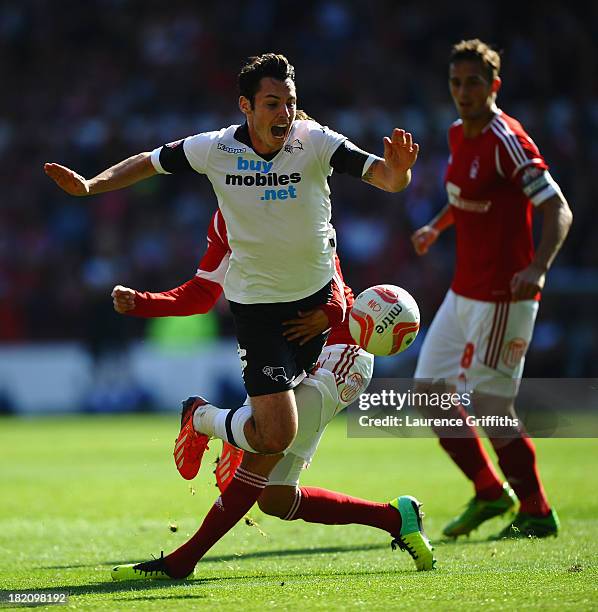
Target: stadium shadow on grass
{"points": [[254, 555], [110, 586], [297, 551], [98, 564], [463, 540], [153, 599]]}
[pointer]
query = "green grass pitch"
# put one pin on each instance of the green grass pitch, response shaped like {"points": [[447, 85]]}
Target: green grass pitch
{"points": [[81, 494]]}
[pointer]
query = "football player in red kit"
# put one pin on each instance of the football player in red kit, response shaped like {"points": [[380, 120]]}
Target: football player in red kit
{"points": [[496, 178]]}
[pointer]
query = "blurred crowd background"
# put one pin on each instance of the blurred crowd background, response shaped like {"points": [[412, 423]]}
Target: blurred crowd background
{"points": [[87, 84]]}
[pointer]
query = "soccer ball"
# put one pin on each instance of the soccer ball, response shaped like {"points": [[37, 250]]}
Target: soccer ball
{"points": [[384, 320]]}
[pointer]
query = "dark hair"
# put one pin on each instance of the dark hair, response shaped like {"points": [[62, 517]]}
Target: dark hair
{"points": [[273, 65], [301, 115], [479, 51]]}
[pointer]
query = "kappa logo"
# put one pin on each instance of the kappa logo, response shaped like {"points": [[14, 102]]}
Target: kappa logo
{"points": [[296, 145], [233, 150], [275, 373]]}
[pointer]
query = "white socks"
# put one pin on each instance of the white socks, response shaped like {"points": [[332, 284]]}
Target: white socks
{"points": [[203, 419], [228, 425]]}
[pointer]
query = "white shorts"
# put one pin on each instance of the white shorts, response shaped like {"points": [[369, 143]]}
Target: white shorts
{"points": [[480, 345], [343, 372]]}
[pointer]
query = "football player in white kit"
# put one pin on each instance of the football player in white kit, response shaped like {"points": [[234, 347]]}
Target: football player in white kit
{"points": [[270, 179], [343, 372]]}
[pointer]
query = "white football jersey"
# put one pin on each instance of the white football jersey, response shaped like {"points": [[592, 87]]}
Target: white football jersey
{"points": [[277, 212]]}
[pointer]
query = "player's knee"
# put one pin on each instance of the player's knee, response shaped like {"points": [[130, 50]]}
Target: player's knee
{"points": [[275, 420], [276, 501], [276, 437], [271, 507], [275, 444]]}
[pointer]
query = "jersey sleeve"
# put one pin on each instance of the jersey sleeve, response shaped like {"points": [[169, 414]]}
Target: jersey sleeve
{"points": [[350, 159], [325, 142], [336, 307], [198, 295], [188, 154], [519, 160]]}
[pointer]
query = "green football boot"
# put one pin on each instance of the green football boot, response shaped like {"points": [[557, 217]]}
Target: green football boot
{"points": [[479, 510], [530, 526], [412, 538], [148, 570]]}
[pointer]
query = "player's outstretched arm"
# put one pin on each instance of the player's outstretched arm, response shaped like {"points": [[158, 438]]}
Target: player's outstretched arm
{"points": [[423, 238], [393, 173], [196, 296], [558, 217], [123, 174]]}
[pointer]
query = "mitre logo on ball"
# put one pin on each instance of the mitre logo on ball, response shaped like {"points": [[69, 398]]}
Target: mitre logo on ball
{"points": [[384, 319]]}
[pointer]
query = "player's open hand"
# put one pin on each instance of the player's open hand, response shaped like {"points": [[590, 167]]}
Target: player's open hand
{"points": [[68, 180], [526, 283], [423, 238], [400, 152], [308, 325], [123, 299]]}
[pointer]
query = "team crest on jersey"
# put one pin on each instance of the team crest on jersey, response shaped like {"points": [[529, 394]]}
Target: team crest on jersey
{"points": [[353, 384], [296, 145], [474, 168], [276, 373], [514, 351]]}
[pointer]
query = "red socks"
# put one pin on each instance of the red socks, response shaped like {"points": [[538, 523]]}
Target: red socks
{"points": [[517, 460], [229, 508], [331, 508], [469, 455], [473, 460]]}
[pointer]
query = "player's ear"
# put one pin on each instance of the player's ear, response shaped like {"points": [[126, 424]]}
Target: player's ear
{"points": [[496, 83], [245, 105]]}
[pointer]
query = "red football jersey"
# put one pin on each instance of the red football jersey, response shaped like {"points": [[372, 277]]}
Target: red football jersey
{"points": [[492, 181]]}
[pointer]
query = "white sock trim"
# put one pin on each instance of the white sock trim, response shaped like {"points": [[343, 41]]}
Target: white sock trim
{"points": [[250, 478], [237, 427], [290, 515], [203, 419]]}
